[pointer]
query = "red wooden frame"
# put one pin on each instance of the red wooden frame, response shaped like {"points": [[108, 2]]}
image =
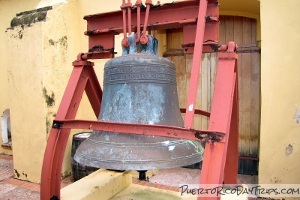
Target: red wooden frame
{"points": [[220, 159]]}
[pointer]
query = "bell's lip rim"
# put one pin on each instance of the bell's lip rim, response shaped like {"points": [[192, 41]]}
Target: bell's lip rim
{"points": [[139, 165]]}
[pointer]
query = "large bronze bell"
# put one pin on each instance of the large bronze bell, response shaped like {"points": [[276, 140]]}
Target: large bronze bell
{"points": [[139, 88]]}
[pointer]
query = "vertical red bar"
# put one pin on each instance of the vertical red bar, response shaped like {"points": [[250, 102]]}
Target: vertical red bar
{"points": [[196, 66], [220, 120], [231, 165], [46, 178]]}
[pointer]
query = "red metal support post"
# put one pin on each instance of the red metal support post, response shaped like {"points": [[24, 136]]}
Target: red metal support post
{"points": [[138, 4], [54, 153], [196, 66], [144, 38], [125, 42], [129, 16], [232, 156], [221, 157]]}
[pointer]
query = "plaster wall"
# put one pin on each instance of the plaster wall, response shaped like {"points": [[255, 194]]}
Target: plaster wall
{"points": [[26, 100], [8, 10], [39, 73], [280, 98]]}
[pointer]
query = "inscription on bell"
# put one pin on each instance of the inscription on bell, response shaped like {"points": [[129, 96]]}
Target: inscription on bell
{"points": [[127, 74]]}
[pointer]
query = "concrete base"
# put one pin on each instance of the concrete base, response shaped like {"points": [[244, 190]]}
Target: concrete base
{"points": [[139, 192], [102, 184]]}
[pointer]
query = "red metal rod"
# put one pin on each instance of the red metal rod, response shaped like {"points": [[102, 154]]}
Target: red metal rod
{"points": [[196, 66], [130, 128], [124, 20], [146, 17], [125, 40], [138, 22], [129, 16], [144, 38]]}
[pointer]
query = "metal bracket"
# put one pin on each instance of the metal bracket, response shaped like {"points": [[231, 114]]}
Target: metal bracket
{"points": [[54, 198], [209, 136], [214, 47], [98, 48], [57, 124]]}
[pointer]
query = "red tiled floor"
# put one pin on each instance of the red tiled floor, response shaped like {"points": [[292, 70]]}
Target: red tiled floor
{"points": [[11, 188], [23, 184], [6, 157], [6, 168], [18, 193]]}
